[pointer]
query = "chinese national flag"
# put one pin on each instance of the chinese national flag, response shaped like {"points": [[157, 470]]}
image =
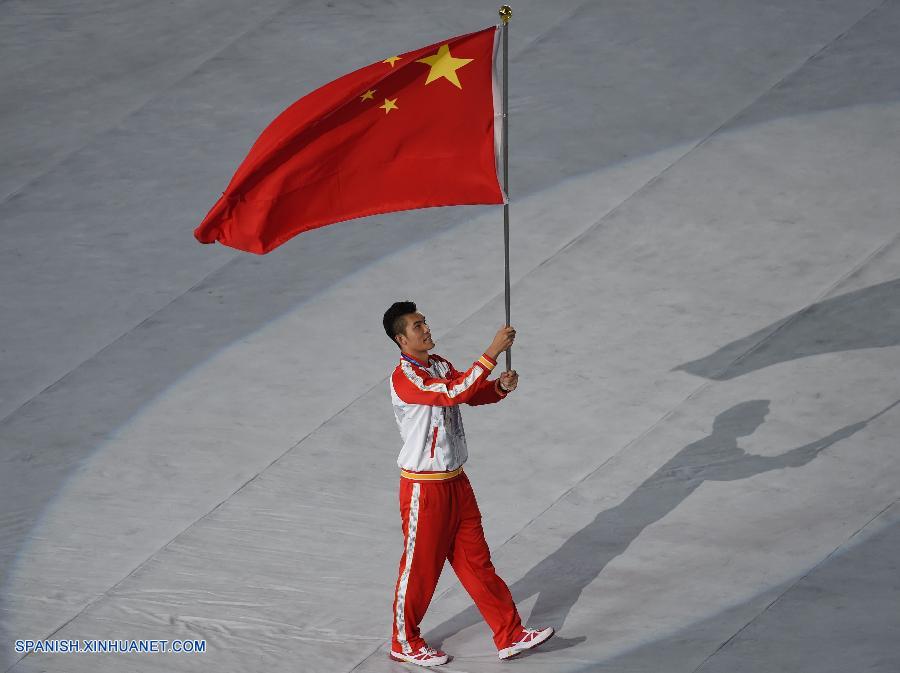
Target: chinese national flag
{"points": [[411, 131]]}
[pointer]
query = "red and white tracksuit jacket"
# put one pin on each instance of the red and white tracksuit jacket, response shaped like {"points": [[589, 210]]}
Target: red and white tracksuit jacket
{"points": [[441, 519], [426, 399]]}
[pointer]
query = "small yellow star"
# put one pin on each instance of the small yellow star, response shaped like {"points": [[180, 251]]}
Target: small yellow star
{"points": [[368, 95], [389, 104], [444, 64], [392, 60]]}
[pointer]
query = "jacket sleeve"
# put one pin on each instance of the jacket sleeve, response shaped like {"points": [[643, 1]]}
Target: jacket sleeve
{"points": [[488, 390], [415, 385], [488, 393]]}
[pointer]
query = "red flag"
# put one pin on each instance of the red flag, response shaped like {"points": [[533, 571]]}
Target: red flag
{"points": [[411, 131]]}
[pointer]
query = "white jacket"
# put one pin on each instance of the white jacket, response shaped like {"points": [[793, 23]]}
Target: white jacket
{"points": [[426, 399]]}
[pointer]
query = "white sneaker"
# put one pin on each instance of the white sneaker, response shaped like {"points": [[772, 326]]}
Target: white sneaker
{"points": [[426, 656], [527, 639]]}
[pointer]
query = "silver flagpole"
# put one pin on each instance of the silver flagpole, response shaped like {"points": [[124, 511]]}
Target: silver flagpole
{"points": [[505, 16]]}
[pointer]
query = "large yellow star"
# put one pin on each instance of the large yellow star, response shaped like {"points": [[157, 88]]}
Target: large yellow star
{"points": [[368, 95], [444, 64], [389, 104], [392, 60]]}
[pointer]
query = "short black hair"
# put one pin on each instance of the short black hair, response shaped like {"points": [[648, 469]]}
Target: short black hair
{"points": [[394, 323]]}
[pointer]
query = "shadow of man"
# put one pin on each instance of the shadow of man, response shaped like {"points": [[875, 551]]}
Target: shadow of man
{"points": [[559, 579]]}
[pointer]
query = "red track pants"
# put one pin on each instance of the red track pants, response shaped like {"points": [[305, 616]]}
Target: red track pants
{"points": [[441, 521]]}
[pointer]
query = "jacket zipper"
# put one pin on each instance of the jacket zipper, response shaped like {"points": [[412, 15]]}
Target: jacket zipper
{"points": [[433, 441]]}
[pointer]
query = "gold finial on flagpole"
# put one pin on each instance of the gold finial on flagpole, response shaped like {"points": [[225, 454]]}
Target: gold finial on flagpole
{"points": [[505, 14]]}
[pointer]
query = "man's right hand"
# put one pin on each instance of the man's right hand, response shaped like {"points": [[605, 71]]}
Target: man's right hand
{"points": [[502, 341]]}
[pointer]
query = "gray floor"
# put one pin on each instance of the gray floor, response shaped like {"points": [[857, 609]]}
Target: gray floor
{"points": [[699, 471]]}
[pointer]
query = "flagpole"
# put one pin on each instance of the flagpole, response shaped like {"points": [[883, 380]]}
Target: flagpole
{"points": [[505, 16]]}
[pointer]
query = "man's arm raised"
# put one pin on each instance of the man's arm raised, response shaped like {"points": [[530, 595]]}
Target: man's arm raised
{"points": [[415, 385], [491, 391]]}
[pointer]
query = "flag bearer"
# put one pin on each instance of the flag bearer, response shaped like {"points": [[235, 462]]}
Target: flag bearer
{"points": [[441, 520]]}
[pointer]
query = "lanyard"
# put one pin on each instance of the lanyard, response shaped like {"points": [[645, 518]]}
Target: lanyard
{"points": [[414, 361]]}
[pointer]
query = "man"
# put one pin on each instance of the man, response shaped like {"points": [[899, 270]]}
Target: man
{"points": [[441, 520]]}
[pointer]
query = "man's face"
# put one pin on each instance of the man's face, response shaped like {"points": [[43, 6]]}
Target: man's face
{"points": [[417, 335]]}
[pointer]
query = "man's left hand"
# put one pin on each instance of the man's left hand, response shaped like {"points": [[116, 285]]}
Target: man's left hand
{"points": [[509, 380]]}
